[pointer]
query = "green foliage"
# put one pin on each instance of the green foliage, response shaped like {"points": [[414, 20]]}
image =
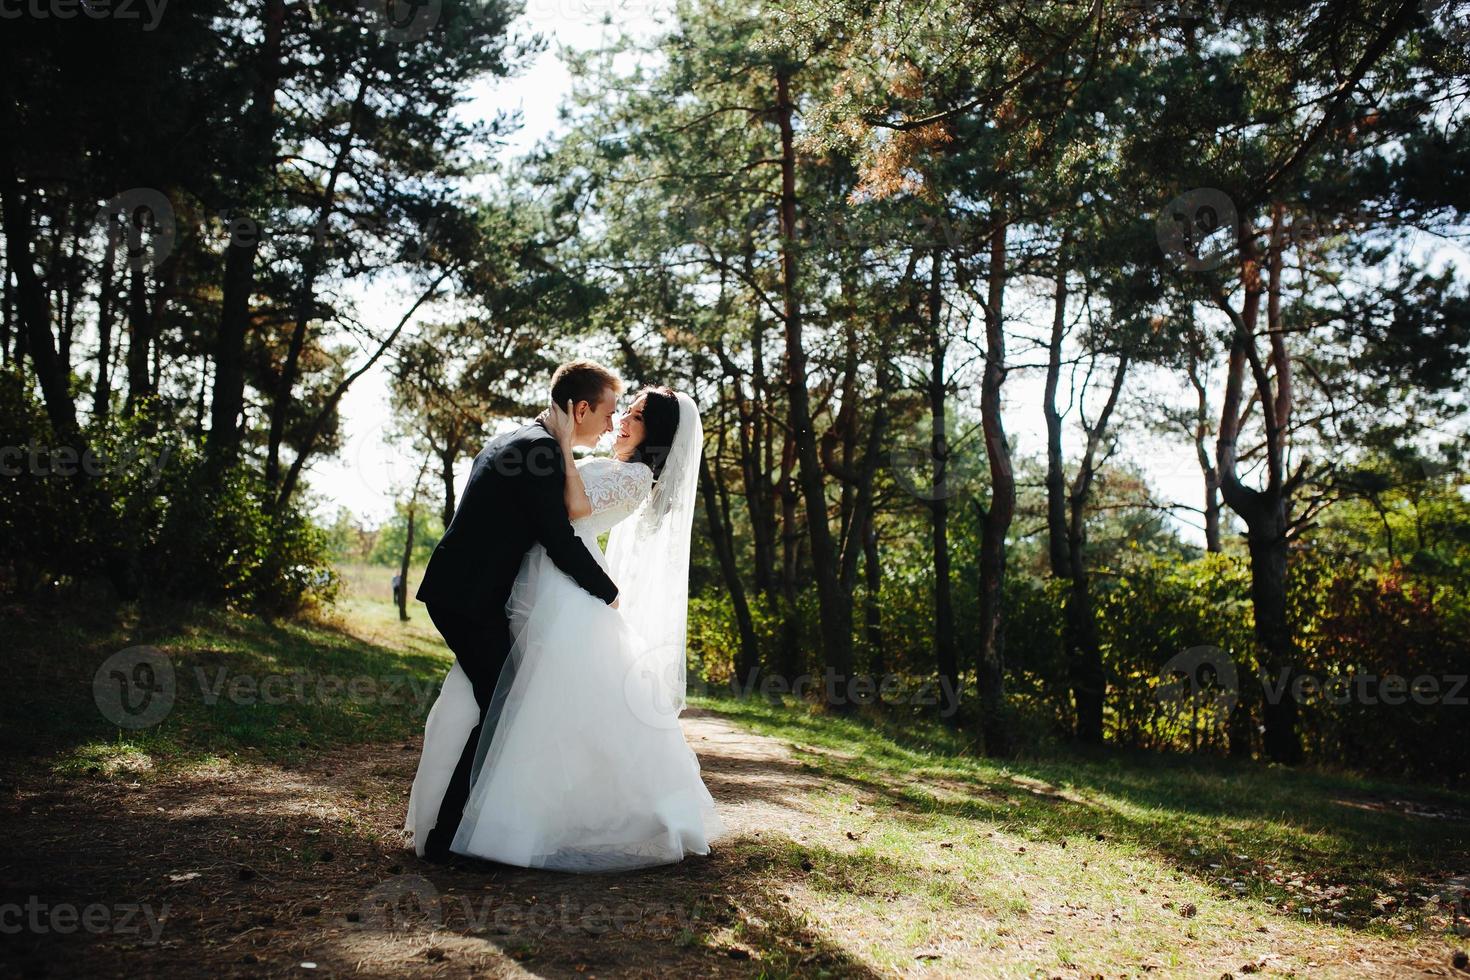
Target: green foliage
{"points": [[1155, 610], [388, 544], [1388, 664], [136, 504], [1037, 660], [1355, 627], [347, 540]]}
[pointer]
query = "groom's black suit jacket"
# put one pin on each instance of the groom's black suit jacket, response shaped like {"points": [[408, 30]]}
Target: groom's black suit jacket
{"points": [[514, 499]]}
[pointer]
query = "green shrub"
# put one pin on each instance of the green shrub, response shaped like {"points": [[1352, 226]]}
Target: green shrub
{"points": [[135, 503]]}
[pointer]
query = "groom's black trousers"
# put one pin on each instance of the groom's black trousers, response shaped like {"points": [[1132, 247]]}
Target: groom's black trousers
{"points": [[481, 645]]}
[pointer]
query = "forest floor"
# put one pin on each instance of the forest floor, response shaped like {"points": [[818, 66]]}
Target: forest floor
{"points": [[255, 830]]}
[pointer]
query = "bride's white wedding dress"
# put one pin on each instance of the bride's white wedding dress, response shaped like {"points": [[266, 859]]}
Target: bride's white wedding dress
{"points": [[583, 764]]}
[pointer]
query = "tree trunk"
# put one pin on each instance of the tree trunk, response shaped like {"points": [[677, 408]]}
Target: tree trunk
{"points": [[7, 313], [1089, 680], [833, 610], [872, 602], [945, 652], [1084, 651], [140, 341], [1268, 550], [228, 402], [756, 479], [762, 495], [793, 658], [994, 725], [1056, 478], [53, 374], [1201, 450], [102, 392], [69, 283], [446, 473], [407, 554], [1265, 511], [747, 661], [1212, 514]]}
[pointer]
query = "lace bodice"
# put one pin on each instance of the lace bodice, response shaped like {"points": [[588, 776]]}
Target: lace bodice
{"points": [[615, 489]]}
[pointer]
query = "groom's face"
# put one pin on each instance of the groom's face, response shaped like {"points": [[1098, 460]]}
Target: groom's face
{"points": [[595, 420]]}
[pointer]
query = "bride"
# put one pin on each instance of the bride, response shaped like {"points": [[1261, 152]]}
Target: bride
{"points": [[581, 764]]}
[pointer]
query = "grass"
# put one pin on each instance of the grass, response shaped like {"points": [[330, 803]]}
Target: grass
{"points": [[243, 685], [1131, 842]]}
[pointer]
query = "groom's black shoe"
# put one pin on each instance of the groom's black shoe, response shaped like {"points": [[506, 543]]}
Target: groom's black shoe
{"points": [[436, 848]]}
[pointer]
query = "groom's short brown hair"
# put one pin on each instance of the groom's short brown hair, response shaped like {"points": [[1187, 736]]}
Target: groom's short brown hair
{"points": [[582, 381]]}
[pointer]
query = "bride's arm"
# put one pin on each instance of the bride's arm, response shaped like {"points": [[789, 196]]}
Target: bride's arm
{"points": [[578, 505], [575, 492]]}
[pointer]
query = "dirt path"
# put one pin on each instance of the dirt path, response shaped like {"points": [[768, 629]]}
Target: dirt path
{"points": [[257, 870]]}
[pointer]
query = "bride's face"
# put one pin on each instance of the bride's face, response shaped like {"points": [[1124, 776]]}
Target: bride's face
{"points": [[629, 428]]}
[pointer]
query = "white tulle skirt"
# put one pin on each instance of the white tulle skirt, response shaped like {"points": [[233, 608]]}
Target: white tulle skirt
{"points": [[451, 720], [584, 766]]}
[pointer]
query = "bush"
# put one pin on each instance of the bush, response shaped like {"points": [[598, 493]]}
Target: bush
{"points": [[1389, 661], [135, 503], [1154, 610]]}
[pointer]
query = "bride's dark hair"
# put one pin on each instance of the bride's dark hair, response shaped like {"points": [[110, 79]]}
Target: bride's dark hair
{"points": [[660, 422]]}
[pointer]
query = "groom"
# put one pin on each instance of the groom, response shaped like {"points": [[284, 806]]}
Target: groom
{"points": [[514, 499]]}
